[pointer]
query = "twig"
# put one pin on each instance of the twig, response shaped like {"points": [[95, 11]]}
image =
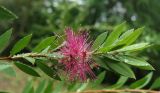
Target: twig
{"points": [[33, 55], [118, 91]]}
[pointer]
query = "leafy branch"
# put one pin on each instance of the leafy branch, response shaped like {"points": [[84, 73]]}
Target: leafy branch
{"points": [[33, 55]]}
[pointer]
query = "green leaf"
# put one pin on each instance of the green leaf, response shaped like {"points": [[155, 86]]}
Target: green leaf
{"points": [[120, 68], [100, 62], [135, 61], [121, 81], [99, 79], [146, 67], [115, 34], [47, 70], [156, 84], [4, 66], [124, 38], [7, 68], [129, 37], [21, 44], [28, 87], [9, 71], [113, 37], [99, 40], [59, 87], [82, 87], [43, 44], [133, 37], [5, 14], [49, 87], [4, 39], [41, 87], [27, 69], [142, 82], [46, 50], [133, 47], [30, 59]]}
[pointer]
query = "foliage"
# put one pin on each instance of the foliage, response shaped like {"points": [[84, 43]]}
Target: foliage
{"points": [[115, 50]]}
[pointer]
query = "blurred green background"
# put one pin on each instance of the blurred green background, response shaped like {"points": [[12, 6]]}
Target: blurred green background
{"points": [[49, 17]]}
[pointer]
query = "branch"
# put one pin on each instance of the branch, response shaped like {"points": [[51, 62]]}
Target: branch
{"points": [[118, 91], [33, 55]]}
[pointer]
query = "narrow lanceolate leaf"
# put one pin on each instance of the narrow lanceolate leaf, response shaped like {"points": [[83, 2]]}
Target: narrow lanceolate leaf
{"points": [[41, 87], [156, 84], [121, 81], [58, 87], [21, 44], [28, 87], [123, 40], [82, 87], [47, 70], [99, 40], [133, 37], [115, 34], [99, 79], [43, 44], [134, 47], [142, 82], [120, 68], [135, 61], [30, 59], [101, 63], [27, 69], [4, 39], [113, 37], [48, 88], [5, 14]]}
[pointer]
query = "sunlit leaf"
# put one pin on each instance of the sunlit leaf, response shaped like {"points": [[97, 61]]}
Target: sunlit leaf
{"points": [[99, 40], [133, 47], [30, 59], [43, 44], [115, 34], [133, 37], [113, 37], [21, 44], [135, 61], [46, 50], [142, 82], [124, 38]]}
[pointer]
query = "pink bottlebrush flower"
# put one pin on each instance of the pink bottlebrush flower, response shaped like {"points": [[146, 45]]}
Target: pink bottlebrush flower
{"points": [[77, 56]]}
